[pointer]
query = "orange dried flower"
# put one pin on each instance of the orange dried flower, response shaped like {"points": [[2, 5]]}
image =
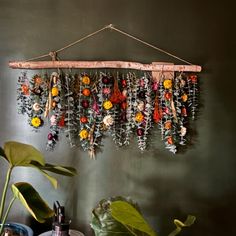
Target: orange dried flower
{"points": [[168, 125], [38, 80], [184, 111], [86, 92], [184, 97], [25, 89], [83, 119], [167, 96], [170, 140]]}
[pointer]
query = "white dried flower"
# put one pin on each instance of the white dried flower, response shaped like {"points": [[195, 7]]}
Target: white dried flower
{"points": [[53, 120], [182, 83], [124, 92], [183, 131], [140, 106], [36, 106], [108, 120]]}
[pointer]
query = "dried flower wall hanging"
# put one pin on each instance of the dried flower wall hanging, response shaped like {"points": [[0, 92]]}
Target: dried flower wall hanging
{"points": [[88, 107]]}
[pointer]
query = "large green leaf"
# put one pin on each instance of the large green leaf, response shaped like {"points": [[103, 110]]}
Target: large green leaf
{"points": [[127, 215], [31, 199], [179, 224], [20, 154], [104, 224], [60, 170], [49, 177], [57, 169]]}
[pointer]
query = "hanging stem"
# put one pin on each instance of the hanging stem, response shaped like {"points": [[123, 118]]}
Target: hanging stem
{"points": [[4, 193], [6, 214]]}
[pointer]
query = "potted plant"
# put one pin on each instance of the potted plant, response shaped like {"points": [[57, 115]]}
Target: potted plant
{"points": [[121, 216], [24, 155]]}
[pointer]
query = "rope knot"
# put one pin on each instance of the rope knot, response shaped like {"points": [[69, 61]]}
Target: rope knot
{"points": [[53, 55]]}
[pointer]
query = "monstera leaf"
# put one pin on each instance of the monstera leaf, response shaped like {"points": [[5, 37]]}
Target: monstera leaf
{"points": [[60, 170], [20, 154], [104, 224], [127, 215], [32, 201]]}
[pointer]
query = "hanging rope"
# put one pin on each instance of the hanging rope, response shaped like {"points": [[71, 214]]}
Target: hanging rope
{"points": [[149, 45], [117, 30]]}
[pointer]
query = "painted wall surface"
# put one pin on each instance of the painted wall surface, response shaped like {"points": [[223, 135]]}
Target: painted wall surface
{"points": [[200, 181]]}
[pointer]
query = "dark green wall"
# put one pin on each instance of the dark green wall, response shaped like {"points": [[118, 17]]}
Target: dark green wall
{"points": [[200, 181]]}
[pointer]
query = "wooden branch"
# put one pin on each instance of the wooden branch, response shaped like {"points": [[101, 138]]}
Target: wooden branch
{"points": [[102, 64]]}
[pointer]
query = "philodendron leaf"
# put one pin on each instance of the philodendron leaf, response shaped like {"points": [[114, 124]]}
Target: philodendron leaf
{"points": [[179, 224], [31, 199], [127, 215], [20, 154]]}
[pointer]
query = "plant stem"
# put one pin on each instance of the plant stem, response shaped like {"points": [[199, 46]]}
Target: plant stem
{"points": [[6, 214], [4, 193]]}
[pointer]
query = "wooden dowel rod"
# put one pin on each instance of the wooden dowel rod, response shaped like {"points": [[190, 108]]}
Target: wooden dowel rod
{"points": [[102, 64]]}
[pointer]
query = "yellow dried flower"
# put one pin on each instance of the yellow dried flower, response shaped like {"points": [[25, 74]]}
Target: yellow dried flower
{"points": [[86, 80], [36, 122], [107, 105], [139, 117], [83, 134], [167, 83], [55, 91]]}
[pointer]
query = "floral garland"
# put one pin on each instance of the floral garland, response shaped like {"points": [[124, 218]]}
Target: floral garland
{"points": [[85, 116], [128, 112], [23, 94], [122, 105], [31, 98], [54, 109]]}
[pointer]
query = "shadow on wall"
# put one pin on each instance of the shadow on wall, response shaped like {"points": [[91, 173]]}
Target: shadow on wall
{"points": [[173, 199]]}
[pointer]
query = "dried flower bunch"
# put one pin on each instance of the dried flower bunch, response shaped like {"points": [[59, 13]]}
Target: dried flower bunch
{"points": [[87, 106]]}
